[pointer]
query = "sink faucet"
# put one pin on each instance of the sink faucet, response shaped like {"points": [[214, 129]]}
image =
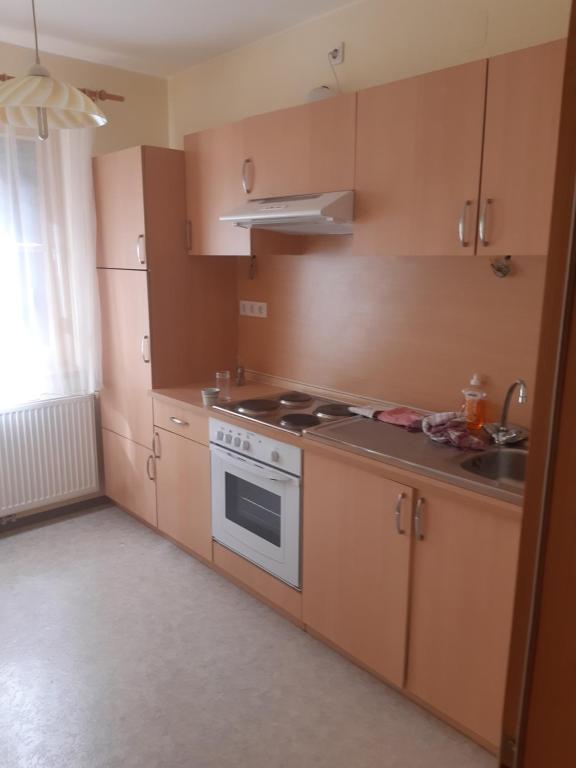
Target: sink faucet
{"points": [[501, 433]]}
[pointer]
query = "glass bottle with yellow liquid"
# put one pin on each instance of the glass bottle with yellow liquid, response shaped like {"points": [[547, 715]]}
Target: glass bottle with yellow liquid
{"points": [[474, 408]]}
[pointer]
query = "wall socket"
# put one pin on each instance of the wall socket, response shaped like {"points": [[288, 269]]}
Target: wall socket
{"points": [[254, 308], [336, 55]]}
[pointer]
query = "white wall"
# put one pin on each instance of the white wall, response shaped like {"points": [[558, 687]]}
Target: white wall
{"points": [[141, 119], [385, 40]]}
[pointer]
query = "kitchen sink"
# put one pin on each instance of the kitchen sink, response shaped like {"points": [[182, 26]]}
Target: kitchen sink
{"points": [[500, 464]]}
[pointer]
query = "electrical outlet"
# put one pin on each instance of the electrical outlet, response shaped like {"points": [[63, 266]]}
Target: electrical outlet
{"points": [[336, 55], [254, 308]]}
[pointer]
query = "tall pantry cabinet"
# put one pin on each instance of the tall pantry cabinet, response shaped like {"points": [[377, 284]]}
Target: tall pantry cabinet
{"points": [[153, 298]]}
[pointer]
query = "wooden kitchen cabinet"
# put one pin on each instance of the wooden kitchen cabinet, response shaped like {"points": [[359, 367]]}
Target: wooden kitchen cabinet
{"points": [[129, 475], [302, 150], [183, 491], [356, 562], [172, 321], [462, 597], [214, 161], [119, 199], [522, 121], [419, 148], [126, 407]]}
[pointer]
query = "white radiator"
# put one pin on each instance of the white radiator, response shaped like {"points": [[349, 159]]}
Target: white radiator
{"points": [[48, 453]]}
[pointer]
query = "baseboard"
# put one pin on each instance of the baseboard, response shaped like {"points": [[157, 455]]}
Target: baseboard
{"points": [[12, 523]]}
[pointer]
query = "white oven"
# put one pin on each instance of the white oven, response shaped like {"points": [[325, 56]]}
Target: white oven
{"points": [[256, 498]]}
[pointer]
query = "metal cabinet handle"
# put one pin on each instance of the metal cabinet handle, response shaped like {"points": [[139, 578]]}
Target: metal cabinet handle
{"points": [[398, 514], [188, 235], [179, 422], [140, 250], [156, 442], [149, 463], [145, 348], [482, 228], [247, 184], [462, 222], [418, 518]]}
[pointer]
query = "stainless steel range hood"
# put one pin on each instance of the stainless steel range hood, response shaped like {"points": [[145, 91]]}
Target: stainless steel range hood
{"points": [[330, 213]]}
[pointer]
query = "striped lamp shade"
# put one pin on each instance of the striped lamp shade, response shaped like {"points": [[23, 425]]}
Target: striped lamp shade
{"points": [[63, 105]]}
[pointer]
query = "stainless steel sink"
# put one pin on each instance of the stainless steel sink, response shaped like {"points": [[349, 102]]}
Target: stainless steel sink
{"points": [[506, 465]]}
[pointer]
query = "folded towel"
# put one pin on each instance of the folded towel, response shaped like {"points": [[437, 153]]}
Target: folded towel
{"points": [[401, 417], [450, 427]]}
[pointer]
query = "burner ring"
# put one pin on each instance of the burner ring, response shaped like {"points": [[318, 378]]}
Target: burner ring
{"points": [[255, 407], [294, 398], [299, 420], [333, 411]]}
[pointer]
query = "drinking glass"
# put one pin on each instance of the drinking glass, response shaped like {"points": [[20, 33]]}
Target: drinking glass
{"points": [[223, 384]]}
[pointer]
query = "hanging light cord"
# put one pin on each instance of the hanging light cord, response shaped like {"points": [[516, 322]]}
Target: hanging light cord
{"points": [[35, 31], [332, 67]]}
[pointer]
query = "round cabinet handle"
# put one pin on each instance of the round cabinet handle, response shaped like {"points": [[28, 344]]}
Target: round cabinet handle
{"points": [[156, 442], [462, 224], [418, 519], [141, 249], [482, 225], [247, 178], [398, 514], [145, 348], [179, 422], [150, 463]]}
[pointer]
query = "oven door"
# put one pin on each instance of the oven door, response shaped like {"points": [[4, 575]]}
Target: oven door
{"points": [[256, 513]]}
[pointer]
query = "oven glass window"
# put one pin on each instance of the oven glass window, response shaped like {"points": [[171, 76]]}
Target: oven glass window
{"points": [[255, 509]]}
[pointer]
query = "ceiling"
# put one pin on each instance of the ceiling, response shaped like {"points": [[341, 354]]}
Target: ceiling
{"points": [[158, 37]]}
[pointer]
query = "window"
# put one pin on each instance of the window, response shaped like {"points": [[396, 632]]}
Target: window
{"points": [[47, 268]]}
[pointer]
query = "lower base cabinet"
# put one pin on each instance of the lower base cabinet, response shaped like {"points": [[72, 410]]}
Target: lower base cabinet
{"points": [[356, 562], [183, 491], [462, 598], [416, 583], [129, 475]]}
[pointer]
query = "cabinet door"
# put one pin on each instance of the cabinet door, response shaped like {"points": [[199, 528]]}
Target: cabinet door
{"points": [[214, 161], [119, 199], [419, 147], [522, 122], [356, 563], [303, 150], [463, 580], [128, 475], [126, 378], [183, 491]]}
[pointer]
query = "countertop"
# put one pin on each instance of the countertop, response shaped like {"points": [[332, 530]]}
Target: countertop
{"points": [[386, 443]]}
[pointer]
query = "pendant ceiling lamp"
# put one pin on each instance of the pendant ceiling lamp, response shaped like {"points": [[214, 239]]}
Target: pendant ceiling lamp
{"points": [[38, 101]]}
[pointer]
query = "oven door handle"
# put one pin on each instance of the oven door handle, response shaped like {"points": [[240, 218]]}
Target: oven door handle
{"points": [[258, 469]]}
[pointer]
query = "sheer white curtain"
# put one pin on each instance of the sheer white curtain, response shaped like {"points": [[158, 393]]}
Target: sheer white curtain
{"points": [[49, 342]]}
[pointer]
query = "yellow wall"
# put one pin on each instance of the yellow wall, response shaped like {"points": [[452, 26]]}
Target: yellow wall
{"points": [[385, 40], [141, 119]]}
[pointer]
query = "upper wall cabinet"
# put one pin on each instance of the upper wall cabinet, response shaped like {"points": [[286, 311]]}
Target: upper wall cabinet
{"points": [[522, 120], [419, 147], [214, 167], [301, 150], [119, 198]]}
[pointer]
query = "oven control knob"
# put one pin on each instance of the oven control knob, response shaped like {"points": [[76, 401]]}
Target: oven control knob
{"points": [[237, 442], [275, 456], [245, 445], [220, 435], [228, 439]]}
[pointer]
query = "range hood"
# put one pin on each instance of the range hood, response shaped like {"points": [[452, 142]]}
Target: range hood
{"points": [[330, 213]]}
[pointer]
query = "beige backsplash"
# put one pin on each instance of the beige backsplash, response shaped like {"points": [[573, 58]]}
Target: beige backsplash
{"points": [[410, 330]]}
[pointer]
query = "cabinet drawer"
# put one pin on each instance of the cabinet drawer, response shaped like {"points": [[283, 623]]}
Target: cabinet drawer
{"points": [[181, 420]]}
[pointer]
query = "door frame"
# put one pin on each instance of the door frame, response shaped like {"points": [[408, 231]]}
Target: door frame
{"points": [[540, 701]]}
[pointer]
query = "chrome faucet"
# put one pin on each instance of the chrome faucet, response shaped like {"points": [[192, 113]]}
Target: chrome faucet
{"points": [[501, 433]]}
